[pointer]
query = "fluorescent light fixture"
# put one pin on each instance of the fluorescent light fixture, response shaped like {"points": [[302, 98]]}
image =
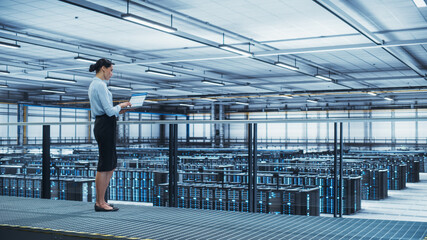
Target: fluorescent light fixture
{"points": [[420, 3], [236, 50], [372, 93], [323, 77], [3, 86], [186, 105], [54, 79], [83, 59], [242, 103], [213, 83], [4, 72], [119, 88], [284, 65], [53, 91], [312, 101], [151, 101], [148, 23], [388, 99], [286, 96], [209, 99], [9, 45], [160, 73]]}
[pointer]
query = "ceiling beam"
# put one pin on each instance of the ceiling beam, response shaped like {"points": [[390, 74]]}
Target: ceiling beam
{"points": [[343, 16]]}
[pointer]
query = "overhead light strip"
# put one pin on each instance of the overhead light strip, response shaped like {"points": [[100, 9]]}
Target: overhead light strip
{"points": [[54, 79], [4, 72], [236, 50], [209, 99], [84, 59], [10, 45], [160, 73], [284, 65], [420, 3], [323, 77], [312, 101], [186, 105], [151, 101], [119, 88], [213, 83], [286, 96], [3, 86], [53, 91], [242, 103], [148, 23], [372, 93], [388, 99]]}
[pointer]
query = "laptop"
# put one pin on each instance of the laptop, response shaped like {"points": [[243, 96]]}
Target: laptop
{"points": [[137, 100]]}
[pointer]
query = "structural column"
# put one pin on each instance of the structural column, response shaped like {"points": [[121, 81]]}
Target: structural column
{"points": [[221, 126], [252, 167], [416, 128], [139, 128], [173, 165], [89, 127], [46, 163], [341, 181], [162, 131], [19, 134], [335, 172]]}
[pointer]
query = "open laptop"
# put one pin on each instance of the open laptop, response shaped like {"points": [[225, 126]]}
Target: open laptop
{"points": [[137, 100]]}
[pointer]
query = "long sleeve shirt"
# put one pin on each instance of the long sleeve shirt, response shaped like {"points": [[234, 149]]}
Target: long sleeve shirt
{"points": [[101, 99]]}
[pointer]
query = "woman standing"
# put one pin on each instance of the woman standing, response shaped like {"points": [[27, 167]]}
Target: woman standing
{"points": [[101, 106]]}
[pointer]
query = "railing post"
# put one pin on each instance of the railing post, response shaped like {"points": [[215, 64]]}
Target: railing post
{"points": [[46, 163]]}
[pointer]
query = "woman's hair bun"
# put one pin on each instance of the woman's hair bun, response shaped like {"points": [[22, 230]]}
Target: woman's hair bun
{"points": [[92, 67], [99, 64]]}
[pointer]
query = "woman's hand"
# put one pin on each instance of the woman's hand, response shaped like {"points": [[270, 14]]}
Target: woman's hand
{"points": [[123, 105]]}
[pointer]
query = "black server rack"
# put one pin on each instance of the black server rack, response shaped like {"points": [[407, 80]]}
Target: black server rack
{"points": [[352, 200], [396, 176], [183, 196], [221, 198], [208, 196], [234, 198], [308, 201], [244, 203], [413, 174], [275, 201], [161, 195], [374, 186], [195, 196]]}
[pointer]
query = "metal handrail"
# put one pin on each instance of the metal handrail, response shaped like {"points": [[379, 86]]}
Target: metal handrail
{"points": [[294, 120]]}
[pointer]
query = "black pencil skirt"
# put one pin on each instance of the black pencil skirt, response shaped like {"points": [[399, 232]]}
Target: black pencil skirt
{"points": [[105, 134]]}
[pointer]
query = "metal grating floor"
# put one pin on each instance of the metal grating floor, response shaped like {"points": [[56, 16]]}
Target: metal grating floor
{"points": [[172, 223]]}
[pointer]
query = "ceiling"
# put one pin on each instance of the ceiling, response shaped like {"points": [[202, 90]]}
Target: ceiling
{"points": [[361, 46]]}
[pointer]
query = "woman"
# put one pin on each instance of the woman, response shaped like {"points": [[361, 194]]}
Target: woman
{"points": [[101, 106]]}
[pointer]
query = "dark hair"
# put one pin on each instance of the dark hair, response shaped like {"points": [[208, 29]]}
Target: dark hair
{"points": [[99, 64]]}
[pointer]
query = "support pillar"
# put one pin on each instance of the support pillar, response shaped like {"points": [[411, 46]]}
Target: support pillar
{"points": [[252, 166], [173, 165], [46, 163]]}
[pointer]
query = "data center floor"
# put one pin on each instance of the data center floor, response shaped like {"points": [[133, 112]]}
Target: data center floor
{"points": [[409, 204], [79, 218]]}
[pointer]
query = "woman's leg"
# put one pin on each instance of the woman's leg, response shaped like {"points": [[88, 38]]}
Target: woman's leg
{"points": [[102, 180]]}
